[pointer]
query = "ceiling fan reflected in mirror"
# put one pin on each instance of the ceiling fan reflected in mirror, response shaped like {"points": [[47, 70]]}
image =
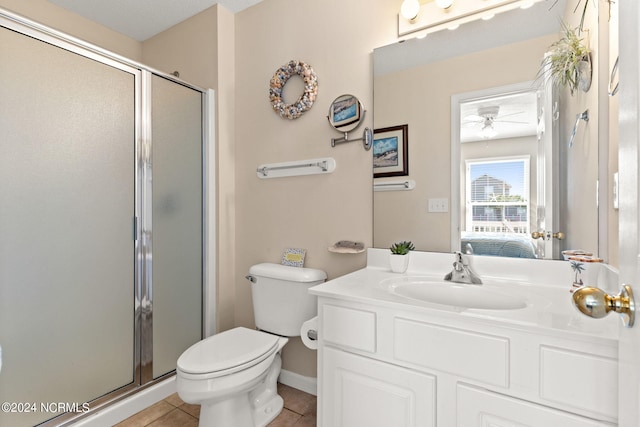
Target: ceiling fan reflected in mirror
{"points": [[508, 115], [486, 119]]}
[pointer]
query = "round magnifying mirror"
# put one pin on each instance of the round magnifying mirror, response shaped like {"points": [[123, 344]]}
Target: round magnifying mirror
{"points": [[345, 113]]}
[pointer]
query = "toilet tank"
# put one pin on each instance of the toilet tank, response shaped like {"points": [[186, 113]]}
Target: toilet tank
{"points": [[281, 299]]}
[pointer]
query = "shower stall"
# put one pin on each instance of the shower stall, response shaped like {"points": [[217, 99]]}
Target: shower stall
{"points": [[103, 177]]}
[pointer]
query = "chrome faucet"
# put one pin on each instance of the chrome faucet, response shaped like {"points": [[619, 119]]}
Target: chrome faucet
{"points": [[462, 272]]}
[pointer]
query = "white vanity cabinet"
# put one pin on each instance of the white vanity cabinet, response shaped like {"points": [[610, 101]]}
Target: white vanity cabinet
{"points": [[395, 365], [366, 392]]}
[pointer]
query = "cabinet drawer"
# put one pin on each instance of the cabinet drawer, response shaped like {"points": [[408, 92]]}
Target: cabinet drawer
{"points": [[468, 354], [349, 327], [585, 382]]}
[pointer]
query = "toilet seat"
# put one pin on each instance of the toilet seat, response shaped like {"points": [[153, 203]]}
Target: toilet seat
{"points": [[227, 352]]}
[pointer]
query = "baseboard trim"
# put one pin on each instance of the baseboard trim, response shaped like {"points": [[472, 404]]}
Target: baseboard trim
{"points": [[129, 406], [144, 398], [300, 382]]}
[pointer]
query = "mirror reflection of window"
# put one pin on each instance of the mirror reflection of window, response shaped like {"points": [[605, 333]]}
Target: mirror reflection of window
{"points": [[497, 196], [501, 175]]}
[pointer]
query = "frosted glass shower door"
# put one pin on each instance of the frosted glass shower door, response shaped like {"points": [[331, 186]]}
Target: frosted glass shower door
{"points": [[177, 135], [67, 252]]}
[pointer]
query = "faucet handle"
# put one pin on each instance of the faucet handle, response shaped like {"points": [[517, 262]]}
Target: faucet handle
{"points": [[458, 264], [459, 257]]}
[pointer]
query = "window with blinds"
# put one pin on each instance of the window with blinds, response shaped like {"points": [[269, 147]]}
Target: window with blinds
{"points": [[498, 195]]}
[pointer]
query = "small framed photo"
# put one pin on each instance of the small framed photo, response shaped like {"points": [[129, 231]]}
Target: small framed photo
{"points": [[293, 257], [391, 151]]}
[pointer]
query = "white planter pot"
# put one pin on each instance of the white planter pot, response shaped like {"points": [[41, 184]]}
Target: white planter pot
{"points": [[398, 263], [584, 75]]}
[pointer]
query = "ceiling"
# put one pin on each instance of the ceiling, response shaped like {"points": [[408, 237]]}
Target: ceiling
{"points": [[142, 19]]}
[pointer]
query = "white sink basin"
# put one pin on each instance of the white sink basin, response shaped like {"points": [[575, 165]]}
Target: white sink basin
{"points": [[454, 294]]}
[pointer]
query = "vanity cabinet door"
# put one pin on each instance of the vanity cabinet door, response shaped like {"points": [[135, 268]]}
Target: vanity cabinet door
{"points": [[358, 391], [481, 408]]}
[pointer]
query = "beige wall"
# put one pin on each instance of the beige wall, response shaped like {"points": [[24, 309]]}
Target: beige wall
{"points": [[595, 151], [258, 219], [336, 37], [578, 203], [421, 98]]}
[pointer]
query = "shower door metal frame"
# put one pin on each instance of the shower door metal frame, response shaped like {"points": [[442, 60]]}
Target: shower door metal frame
{"points": [[142, 358]]}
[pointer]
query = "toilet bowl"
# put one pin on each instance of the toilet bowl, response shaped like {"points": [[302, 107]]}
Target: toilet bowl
{"points": [[233, 375]]}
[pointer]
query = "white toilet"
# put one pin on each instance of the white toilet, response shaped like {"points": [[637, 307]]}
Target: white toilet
{"points": [[233, 374]]}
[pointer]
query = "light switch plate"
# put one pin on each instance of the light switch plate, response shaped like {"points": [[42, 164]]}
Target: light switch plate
{"points": [[438, 205]]}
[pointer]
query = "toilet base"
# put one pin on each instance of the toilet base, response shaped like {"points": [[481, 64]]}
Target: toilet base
{"points": [[255, 408], [263, 415], [266, 404], [237, 409], [234, 408]]}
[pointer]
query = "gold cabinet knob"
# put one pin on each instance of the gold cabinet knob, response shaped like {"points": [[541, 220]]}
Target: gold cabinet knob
{"points": [[596, 303], [559, 235], [538, 235]]}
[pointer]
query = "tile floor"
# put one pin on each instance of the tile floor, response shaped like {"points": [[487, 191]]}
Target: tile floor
{"points": [[299, 411]]}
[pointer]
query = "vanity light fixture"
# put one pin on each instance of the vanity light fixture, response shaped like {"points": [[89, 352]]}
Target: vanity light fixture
{"points": [[410, 9], [444, 4], [438, 15]]}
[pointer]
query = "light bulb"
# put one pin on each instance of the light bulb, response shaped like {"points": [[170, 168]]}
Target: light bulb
{"points": [[488, 131], [444, 4], [409, 9]]}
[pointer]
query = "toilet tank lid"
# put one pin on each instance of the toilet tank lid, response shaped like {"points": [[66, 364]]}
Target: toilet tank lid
{"points": [[286, 272]]}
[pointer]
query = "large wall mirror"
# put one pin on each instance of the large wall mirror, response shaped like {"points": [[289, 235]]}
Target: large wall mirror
{"points": [[488, 142]]}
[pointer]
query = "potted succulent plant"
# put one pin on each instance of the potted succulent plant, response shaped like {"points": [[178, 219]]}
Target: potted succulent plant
{"points": [[399, 258], [568, 62]]}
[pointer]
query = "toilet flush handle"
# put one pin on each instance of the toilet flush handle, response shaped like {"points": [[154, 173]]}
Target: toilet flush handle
{"points": [[250, 278]]}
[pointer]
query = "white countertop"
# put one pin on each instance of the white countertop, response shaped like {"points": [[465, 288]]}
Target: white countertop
{"points": [[543, 284]]}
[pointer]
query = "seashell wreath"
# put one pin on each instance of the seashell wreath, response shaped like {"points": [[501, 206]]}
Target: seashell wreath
{"points": [[308, 97]]}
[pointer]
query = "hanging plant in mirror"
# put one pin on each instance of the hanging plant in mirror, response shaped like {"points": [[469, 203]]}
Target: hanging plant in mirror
{"points": [[568, 62], [305, 101]]}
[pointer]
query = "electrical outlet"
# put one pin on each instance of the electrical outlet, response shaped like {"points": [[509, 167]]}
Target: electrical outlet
{"points": [[438, 205]]}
